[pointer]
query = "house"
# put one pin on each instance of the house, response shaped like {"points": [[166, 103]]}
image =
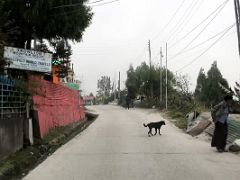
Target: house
{"points": [[88, 100]]}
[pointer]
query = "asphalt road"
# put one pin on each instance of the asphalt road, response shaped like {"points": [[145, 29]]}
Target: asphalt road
{"points": [[116, 147]]}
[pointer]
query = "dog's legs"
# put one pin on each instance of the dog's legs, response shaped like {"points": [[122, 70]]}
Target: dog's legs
{"points": [[159, 132], [155, 131], [150, 132]]}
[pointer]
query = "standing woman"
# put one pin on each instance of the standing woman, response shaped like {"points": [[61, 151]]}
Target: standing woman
{"points": [[220, 114]]}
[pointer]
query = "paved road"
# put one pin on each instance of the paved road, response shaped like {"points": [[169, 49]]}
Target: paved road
{"points": [[116, 147]]}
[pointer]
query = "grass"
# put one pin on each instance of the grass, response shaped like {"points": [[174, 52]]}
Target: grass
{"points": [[178, 118]]}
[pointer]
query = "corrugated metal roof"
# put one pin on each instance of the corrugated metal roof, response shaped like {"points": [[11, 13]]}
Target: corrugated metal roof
{"points": [[233, 128]]}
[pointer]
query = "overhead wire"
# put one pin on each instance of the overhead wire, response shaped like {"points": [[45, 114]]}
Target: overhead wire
{"points": [[93, 2], [193, 29], [201, 30], [184, 25], [215, 42], [109, 2], [164, 27], [171, 19], [205, 41], [77, 4], [139, 57], [182, 20], [77, 10]]}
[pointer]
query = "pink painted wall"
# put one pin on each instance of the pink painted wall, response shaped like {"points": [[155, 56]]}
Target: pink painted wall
{"points": [[56, 105]]}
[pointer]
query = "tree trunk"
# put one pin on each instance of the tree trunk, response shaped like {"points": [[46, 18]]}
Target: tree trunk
{"points": [[29, 41]]}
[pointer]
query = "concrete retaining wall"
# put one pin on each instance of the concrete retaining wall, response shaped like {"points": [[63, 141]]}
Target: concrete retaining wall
{"points": [[11, 136]]}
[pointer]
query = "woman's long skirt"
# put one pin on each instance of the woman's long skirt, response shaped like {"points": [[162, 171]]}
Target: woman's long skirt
{"points": [[219, 139]]}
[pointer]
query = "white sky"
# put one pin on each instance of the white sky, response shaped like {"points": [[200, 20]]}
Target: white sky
{"points": [[120, 31]]}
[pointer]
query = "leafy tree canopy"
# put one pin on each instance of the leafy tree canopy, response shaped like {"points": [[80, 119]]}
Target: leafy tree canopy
{"points": [[208, 89], [44, 19], [104, 86]]}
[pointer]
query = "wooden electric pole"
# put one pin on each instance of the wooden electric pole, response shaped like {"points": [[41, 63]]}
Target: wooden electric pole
{"points": [[119, 86], [150, 66], [166, 78], [160, 69], [237, 14]]}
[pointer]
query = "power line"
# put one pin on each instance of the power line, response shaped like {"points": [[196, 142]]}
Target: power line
{"points": [[141, 54], [205, 19], [80, 4], [201, 31], [110, 2], [182, 20], [189, 19], [171, 19], [173, 16], [77, 10], [215, 42], [96, 1], [205, 41]]}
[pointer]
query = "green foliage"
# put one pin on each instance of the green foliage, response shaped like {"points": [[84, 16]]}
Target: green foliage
{"points": [[42, 46], [201, 86], [146, 82], [181, 99], [208, 90], [3, 41], [62, 56], [122, 98], [178, 118], [104, 89], [131, 83], [28, 19]]}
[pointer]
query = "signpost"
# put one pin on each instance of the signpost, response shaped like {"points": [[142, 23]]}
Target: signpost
{"points": [[29, 60]]}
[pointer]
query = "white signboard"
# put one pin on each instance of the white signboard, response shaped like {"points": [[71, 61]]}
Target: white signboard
{"points": [[26, 59]]}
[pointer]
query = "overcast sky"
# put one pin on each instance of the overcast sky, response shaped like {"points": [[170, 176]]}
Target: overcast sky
{"points": [[120, 31]]}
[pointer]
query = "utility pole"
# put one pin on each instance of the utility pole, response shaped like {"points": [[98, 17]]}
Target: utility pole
{"points": [[160, 69], [166, 79], [237, 13], [150, 65], [119, 84], [114, 87]]}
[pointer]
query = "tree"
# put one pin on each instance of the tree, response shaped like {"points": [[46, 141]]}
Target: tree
{"points": [[61, 57], [183, 84], [182, 96], [44, 19], [2, 43], [139, 82], [201, 85], [142, 78], [211, 93], [104, 88], [131, 83]]}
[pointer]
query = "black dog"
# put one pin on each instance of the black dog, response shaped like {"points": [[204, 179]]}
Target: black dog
{"points": [[156, 125]]}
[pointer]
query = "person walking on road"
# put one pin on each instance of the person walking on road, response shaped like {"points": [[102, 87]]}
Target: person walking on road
{"points": [[220, 114], [128, 101]]}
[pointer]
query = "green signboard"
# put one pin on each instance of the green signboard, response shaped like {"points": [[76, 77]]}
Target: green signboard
{"points": [[73, 86]]}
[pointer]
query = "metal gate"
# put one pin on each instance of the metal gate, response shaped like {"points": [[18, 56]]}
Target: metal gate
{"points": [[12, 102]]}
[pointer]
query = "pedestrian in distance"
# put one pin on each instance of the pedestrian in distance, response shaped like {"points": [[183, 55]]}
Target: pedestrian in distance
{"points": [[219, 115], [128, 101]]}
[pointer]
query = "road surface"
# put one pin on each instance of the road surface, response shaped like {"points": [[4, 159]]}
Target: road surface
{"points": [[116, 147]]}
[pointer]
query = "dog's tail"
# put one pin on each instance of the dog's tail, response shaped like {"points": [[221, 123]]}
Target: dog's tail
{"points": [[145, 125]]}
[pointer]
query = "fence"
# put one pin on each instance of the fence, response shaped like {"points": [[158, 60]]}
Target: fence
{"points": [[54, 106], [12, 103], [233, 130], [12, 114]]}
